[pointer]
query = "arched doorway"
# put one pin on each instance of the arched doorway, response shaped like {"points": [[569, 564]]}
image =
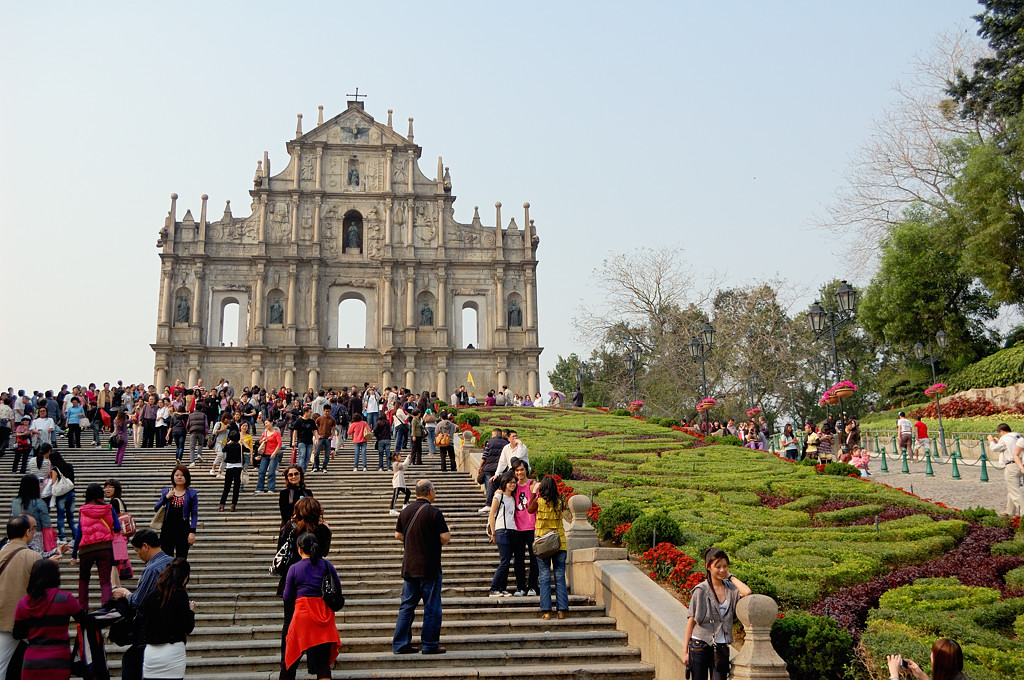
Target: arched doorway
{"points": [[352, 323], [229, 323]]}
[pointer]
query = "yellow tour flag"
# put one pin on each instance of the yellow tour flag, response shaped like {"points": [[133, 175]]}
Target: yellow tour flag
{"points": [[469, 379]]}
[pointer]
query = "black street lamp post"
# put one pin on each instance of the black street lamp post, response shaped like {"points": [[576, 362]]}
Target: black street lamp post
{"points": [[821, 367], [752, 384], [830, 321], [633, 364], [930, 359], [699, 350]]}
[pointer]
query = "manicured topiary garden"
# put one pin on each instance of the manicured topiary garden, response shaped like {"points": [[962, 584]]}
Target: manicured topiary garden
{"points": [[826, 543]]}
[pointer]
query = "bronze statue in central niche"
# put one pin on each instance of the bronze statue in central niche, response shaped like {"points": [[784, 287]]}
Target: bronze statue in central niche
{"points": [[276, 312], [515, 315], [182, 314], [426, 315]]}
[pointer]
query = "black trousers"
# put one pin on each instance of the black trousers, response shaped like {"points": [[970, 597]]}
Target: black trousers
{"points": [[417, 451], [702, 661], [521, 545], [447, 454], [21, 460], [233, 481], [394, 496], [74, 436], [148, 432]]}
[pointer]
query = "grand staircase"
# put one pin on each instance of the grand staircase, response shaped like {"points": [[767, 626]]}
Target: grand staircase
{"points": [[238, 626]]}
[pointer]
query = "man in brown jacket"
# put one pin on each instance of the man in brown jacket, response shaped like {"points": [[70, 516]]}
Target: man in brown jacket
{"points": [[325, 432], [16, 560]]}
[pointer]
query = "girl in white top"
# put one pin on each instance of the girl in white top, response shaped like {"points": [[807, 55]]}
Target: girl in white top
{"points": [[398, 479], [501, 527]]}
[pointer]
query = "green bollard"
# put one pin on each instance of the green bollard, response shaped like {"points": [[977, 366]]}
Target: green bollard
{"points": [[984, 462], [956, 454], [928, 472], [881, 451], [906, 468]]}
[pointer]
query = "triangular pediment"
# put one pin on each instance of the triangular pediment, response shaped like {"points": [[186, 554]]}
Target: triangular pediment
{"points": [[353, 126]]}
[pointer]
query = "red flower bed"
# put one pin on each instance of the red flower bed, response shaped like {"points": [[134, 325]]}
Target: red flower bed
{"points": [[770, 501], [960, 407], [836, 504], [892, 512], [970, 562], [620, 530], [594, 513], [668, 563]]}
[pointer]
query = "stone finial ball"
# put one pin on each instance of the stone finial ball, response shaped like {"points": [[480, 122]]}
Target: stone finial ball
{"points": [[497, 204], [174, 197], [526, 205], [204, 197], [579, 505], [758, 611]]}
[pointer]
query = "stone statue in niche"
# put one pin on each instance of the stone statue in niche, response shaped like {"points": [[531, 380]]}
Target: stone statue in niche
{"points": [[276, 312], [426, 315], [400, 172], [515, 315], [353, 239], [308, 164], [353, 172], [182, 313]]}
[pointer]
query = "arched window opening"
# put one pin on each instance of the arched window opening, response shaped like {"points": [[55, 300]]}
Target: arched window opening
{"points": [[229, 323], [352, 233], [469, 326], [352, 324]]}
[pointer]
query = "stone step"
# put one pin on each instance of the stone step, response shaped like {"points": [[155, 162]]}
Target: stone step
{"points": [[581, 670]]}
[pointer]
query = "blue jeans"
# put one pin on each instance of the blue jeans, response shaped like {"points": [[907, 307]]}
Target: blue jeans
{"points": [[303, 452], [268, 472], [503, 538], [413, 591], [66, 510], [179, 446], [401, 436], [430, 439], [324, 445], [384, 453], [545, 565], [360, 448], [371, 419]]}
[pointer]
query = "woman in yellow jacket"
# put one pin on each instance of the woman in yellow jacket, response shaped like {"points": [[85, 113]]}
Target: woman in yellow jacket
{"points": [[547, 505]]}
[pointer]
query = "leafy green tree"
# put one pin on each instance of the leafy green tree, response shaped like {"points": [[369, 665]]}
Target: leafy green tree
{"points": [[563, 376], [995, 87], [921, 287], [990, 212]]}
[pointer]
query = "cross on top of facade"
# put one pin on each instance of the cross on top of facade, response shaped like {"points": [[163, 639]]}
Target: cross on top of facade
{"points": [[356, 96]]}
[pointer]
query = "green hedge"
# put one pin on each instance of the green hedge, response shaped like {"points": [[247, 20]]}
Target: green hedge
{"points": [[618, 513], [557, 464], [471, 417], [651, 528], [813, 647], [1005, 367]]}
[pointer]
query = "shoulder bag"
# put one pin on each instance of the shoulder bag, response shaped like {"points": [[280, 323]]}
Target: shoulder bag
{"points": [[157, 523], [547, 545], [83, 422], [63, 485], [330, 590], [283, 559]]}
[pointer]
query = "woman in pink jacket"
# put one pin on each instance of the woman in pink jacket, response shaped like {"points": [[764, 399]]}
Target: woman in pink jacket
{"points": [[94, 542]]}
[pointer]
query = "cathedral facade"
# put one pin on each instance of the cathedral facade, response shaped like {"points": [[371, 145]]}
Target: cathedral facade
{"points": [[351, 223]]}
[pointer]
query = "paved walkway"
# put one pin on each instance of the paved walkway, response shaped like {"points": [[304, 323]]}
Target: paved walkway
{"points": [[967, 492]]}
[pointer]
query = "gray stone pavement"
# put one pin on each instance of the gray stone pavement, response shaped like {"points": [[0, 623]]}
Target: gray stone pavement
{"points": [[967, 492]]}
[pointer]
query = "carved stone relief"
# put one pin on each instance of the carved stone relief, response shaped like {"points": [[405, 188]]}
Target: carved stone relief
{"points": [[329, 221], [306, 223], [423, 231], [280, 222], [399, 172], [308, 168]]}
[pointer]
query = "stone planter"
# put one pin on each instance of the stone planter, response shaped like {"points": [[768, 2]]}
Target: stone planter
{"points": [[843, 393]]}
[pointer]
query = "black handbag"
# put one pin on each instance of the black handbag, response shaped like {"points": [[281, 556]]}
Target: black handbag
{"points": [[330, 591], [284, 557]]}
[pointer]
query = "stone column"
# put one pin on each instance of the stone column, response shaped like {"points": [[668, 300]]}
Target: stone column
{"points": [[168, 295], [411, 167], [193, 375], [257, 306], [531, 381], [399, 317], [442, 298], [262, 207], [314, 302], [499, 303], [531, 300], [442, 384], [386, 302], [297, 160], [502, 378], [440, 223], [499, 252], [160, 378], [387, 172], [757, 659], [319, 159], [255, 376], [410, 222], [314, 379], [289, 377], [196, 297], [386, 377], [387, 220], [295, 220], [316, 206], [290, 315], [410, 379], [527, 233], [410, 298]]}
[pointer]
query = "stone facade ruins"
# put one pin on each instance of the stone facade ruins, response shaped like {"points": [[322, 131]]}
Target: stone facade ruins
{"points": [[351, 217]]}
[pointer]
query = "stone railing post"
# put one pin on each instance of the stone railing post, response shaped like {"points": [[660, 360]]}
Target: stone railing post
{"points": [[579, 533], [757, 658]]}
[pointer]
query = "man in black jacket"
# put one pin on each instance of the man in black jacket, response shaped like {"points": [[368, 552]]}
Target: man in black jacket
{"points": [[489, 464]]}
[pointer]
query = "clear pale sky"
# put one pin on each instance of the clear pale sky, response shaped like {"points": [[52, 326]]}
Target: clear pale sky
{"points": [[722, 128]]}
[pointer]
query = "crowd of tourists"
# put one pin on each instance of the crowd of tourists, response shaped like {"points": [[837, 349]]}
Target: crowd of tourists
{"points": [[253, 430]]}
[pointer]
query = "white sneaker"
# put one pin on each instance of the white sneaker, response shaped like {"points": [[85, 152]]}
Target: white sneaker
{"points": [[531, 592], [497, 593], [364, 469], [484, 510], [394, 512], [519, 593], [355, 469], [213, 472], [193, 464]]}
